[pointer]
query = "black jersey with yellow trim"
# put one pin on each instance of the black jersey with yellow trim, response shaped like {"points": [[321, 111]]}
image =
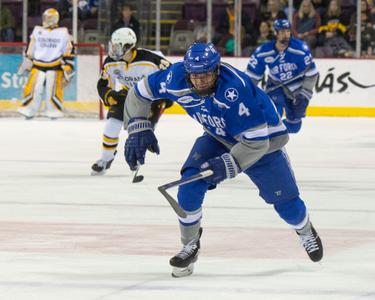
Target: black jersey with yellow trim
{"points": [[119, 73], [140, 55]]}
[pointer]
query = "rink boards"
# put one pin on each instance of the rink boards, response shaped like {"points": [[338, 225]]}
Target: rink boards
{"points": [[345, 86]]}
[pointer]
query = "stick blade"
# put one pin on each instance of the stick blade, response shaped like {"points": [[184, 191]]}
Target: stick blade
{"points": [[177, 208], [137, 179]]}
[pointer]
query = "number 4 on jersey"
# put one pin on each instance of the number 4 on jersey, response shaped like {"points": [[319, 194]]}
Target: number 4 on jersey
{"points": [[243, 110]]}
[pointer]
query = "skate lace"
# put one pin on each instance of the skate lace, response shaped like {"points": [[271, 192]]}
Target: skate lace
{"points": [[187, 251], [308, 241]]}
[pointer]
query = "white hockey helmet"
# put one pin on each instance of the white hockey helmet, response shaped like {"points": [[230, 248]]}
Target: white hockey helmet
{"points": [[122, 41], [50, 18]]}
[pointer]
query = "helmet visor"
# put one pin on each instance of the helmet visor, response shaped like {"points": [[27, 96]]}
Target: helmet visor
{"points": [[49, 20], [116, 50]]}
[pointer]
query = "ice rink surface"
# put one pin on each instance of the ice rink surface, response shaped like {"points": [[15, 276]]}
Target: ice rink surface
{"points": [[67, 235]]}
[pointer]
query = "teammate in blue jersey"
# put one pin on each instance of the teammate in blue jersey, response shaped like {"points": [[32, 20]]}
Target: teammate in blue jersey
{"points": [[242, 133], [291, 73]]}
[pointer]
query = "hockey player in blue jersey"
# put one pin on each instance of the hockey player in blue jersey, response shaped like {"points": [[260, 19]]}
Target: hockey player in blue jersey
{"points": [[291, 73], [242, 133]]}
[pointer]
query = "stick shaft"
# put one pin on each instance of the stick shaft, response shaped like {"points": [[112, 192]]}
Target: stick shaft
{"points": [[187, 179], [174, 204], [281, 84], [136, 172]]}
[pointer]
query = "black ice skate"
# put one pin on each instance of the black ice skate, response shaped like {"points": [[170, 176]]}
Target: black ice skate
{"points": [[310, 240], [100, 167], [183, 262]]}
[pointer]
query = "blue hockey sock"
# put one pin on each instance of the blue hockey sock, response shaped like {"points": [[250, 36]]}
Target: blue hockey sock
{"points": [[190, 196], [293, 212]]}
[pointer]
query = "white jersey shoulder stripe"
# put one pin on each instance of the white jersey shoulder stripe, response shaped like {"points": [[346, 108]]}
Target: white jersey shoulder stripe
{"points": [[264, 54], [179, 93], [253, 75], [220, 104], [296, 51], [234, 72]]}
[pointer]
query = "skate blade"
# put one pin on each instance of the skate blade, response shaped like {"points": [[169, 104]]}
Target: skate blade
{"points": [[182, 272]]}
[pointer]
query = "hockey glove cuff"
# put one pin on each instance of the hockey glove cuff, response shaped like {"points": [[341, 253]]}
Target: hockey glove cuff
{"points": [[141, 137], [293, 126], [224, 167]]}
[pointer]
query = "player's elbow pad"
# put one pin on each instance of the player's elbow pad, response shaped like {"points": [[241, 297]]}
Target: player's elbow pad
{"points": [[248, 152], [309, 82]]}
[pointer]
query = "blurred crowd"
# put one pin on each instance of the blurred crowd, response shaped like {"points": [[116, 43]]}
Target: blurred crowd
{"points": [[327, 26]]}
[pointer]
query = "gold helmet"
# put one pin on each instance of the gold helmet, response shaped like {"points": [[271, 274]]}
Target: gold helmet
{"points": [[50, 18]]}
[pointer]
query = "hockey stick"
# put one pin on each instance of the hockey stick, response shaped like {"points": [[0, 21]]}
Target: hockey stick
{"points": [[281, 84], [137, 178], [163, 189]]}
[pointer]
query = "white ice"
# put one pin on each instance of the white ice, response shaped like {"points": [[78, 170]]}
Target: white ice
{"points": [[67, 235]]}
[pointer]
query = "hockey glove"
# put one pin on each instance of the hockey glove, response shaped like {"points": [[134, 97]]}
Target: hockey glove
{"points": [[299, 105], [25, 66], [68, 74], [157, 109], [293, 126], [224, 167], [113, 97], [164, 64], [141, 137]]}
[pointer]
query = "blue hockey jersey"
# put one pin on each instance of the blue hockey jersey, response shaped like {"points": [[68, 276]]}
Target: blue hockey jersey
{"points": [[236, 110], [288, 67]]}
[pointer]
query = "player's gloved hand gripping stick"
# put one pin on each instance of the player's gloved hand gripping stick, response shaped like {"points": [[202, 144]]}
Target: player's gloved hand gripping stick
{"points": [[286, 82], [141, 138], [214, 171]]}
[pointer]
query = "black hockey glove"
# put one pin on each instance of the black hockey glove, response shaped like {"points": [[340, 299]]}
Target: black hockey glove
{"points": [[157, 109], [141, 137], [224, 167], [115, 97]]}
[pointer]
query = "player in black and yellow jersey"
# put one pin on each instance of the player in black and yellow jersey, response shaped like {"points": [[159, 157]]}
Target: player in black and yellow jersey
{"points": [[122, 69]]}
